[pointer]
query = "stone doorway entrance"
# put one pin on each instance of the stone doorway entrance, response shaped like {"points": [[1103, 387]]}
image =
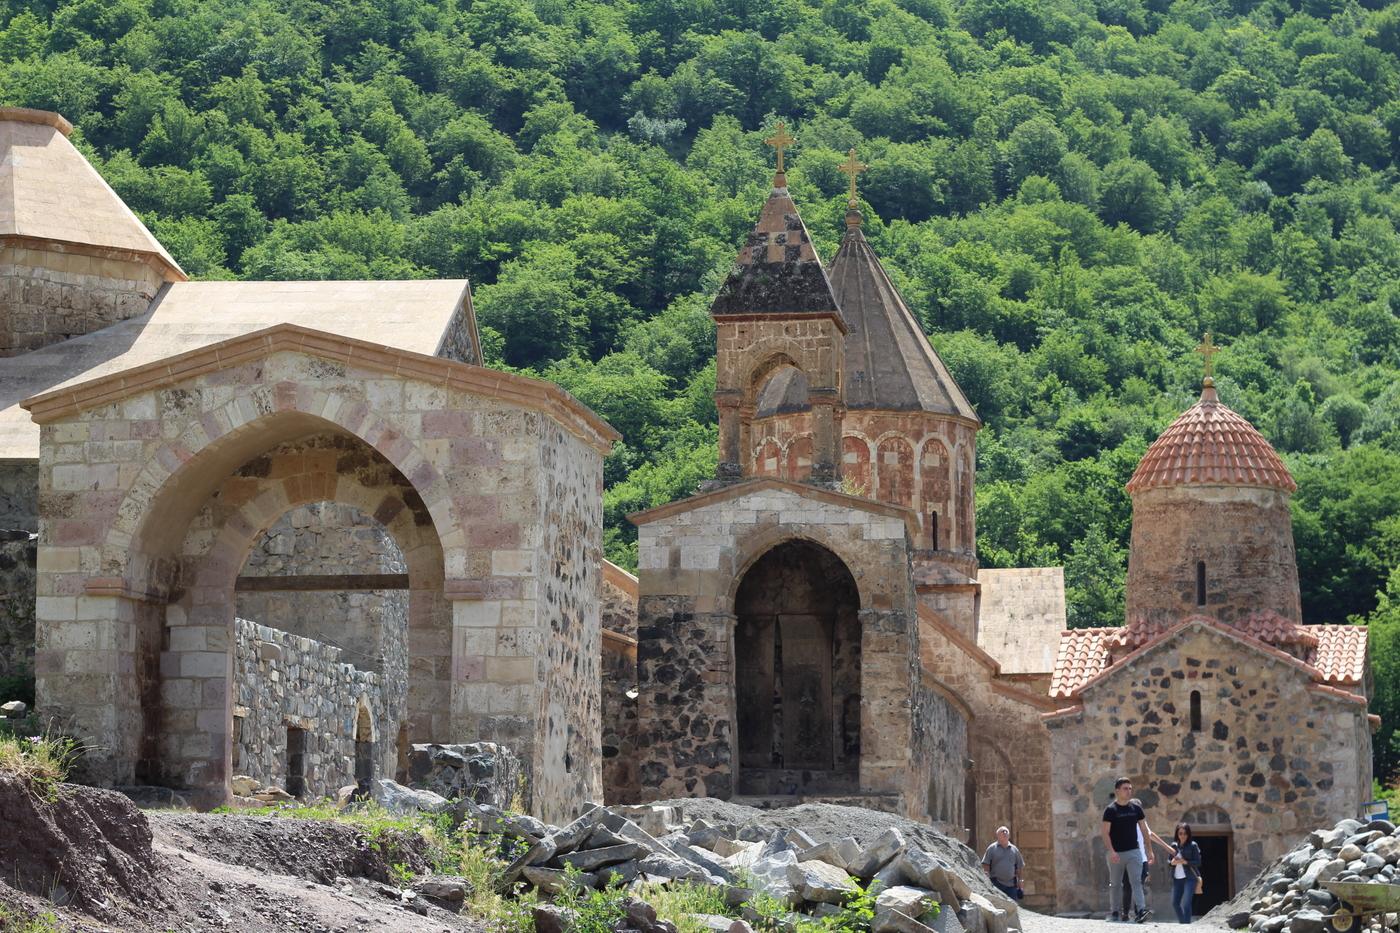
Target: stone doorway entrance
{"points": [[797, 674]]}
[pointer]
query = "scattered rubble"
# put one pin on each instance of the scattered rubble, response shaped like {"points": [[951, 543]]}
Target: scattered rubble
{"points": [[1290, 895], [483, 772], [915, 890]]}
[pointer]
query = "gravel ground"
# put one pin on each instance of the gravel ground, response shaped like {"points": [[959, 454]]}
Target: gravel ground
{"points": [[1032, 922]]}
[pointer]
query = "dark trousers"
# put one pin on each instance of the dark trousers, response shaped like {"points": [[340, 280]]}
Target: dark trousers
{"points": [[1183, 893], [1128, 890], [1008, 889]]}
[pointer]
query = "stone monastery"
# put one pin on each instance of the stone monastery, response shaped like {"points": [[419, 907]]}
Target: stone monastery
{"points": [[285, 529]]}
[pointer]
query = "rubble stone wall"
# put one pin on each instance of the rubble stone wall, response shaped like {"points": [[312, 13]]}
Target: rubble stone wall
{"points": [[19, 495], [619, 669], [1009, 748], [567, 567], [283, 680], [48, 295], [18, 558], [692, 559], [1243, 535], [1274, 754], [940, 756]]}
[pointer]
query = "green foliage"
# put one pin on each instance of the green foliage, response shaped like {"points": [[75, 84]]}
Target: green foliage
{"points": [[41, 757], [590, 910], [16, 920], [1068, 194]]}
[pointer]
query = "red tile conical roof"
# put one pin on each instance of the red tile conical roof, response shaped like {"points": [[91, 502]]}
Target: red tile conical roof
{"points": [[1210, 445]]}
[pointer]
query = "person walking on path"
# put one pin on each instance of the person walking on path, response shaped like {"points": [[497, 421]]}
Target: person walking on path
{"points": [[1143, 847], [1003, 864], [1186, 871], [1121, 820]]}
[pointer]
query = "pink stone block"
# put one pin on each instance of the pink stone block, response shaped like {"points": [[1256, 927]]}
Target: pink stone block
{"points": [[69, 532], [471, 667], [446, 423]]}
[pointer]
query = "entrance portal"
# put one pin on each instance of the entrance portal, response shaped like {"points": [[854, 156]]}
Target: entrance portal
{"points": [[1210, 827], [797, 673]]}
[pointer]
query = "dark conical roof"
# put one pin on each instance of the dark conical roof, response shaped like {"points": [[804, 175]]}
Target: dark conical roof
{"points": [[890, 364], [777, 271]]}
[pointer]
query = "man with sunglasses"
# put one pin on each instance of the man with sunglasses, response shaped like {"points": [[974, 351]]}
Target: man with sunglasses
{"points": [[1121, 821]]}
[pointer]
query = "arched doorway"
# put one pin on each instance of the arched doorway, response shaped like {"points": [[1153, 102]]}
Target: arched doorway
{"points": [[1210, 827], [797, 646]]}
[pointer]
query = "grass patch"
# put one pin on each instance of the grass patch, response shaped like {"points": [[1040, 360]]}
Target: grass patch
{"points": [[16, 921], [677, 902], [43, 761]]}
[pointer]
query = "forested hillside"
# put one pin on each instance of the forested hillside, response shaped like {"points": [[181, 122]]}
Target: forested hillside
{"points": [[1069, 191]]}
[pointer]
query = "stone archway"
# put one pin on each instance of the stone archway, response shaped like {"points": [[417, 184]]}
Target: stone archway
{"points": [[798, 673]]}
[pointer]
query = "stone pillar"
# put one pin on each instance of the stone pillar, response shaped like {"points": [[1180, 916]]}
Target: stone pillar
{"points": [[826, 436], [731, 431]]}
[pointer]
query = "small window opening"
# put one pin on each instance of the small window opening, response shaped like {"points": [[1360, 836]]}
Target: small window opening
{"points": [[237, 743], [933, 528], [1195, 711], [1200, 583], [401, 750], [296, 761]]}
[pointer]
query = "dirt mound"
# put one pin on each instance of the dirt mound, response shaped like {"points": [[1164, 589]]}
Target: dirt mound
{"points": [[318, 850], [87, 848]]}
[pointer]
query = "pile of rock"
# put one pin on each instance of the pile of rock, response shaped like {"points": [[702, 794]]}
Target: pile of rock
{"points": [[483, 772], [1290, 894], [915, 892]]}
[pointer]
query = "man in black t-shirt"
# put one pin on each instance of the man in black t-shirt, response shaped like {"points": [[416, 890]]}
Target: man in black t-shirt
{"points": [[1121, 821]]}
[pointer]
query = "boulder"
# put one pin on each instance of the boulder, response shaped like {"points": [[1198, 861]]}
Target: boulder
{"points": [[344, 796], [554, 880], [653, 819], [448, 891], [728, 848], [994, 919], [275, 795], [619, 875], [572, 836], [821, 883], [403, 801], [14, 709], [771, 874], [1306, 921], [714, 922], [895, 921], [1381, 826], [906, 899], [593, 859], [667, 867], [1349, 852], [551, 919], [879, 853], [243, 785], [483, 772]]}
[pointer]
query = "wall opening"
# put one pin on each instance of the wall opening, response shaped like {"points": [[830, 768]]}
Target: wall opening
{"points": [[364, 751], [1200, 583], [933, 528], [401, 755], [797, 676], [296, 761], [1195, 711], [237, 760], [1213, 832]]}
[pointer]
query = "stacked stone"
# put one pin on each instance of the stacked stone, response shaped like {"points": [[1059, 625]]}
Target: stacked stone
{"points": [[630, 846], [483, 772], [1294, 897]]}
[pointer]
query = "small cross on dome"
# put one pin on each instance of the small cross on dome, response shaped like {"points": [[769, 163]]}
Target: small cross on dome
{"points": [[780, 141], [1207, 349], [851, 168]]}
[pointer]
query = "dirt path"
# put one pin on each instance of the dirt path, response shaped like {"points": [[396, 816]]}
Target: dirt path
{"points": [[1032, 922]]}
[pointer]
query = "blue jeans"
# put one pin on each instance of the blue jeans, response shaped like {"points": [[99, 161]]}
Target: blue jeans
{"points": [[1183, 892]]}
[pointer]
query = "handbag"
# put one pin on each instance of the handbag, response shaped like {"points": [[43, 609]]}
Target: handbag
{"points": [[1200, 884]]}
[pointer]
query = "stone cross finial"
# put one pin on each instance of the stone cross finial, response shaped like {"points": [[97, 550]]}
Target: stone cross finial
{"points": [[1207, 350], [851, 168], [780, 141]]}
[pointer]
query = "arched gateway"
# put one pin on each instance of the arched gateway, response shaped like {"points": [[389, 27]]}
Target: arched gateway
{"points": [[482, 479]]}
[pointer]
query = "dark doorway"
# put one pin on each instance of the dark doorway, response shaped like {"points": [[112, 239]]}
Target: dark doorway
{"points": [[364, 751], [296, 761], [1217, 856], [797, 673]]}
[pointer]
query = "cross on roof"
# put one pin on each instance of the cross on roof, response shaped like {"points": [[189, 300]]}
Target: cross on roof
{"points": [[1207, 350], [780, 141], [851, 168]]}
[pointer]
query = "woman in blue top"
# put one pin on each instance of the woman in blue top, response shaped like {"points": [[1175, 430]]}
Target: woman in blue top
{"points": [[1186, 868]]}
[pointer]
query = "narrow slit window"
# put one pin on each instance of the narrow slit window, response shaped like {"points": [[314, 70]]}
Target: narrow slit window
{"points": [[1195, 711], [933, 528], [296, 761], [1200, 583]]}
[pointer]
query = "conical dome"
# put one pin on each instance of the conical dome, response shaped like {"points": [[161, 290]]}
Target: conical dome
{"points": [[1211, 445]]}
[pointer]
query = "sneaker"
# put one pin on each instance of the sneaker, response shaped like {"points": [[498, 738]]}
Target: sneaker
{"points": [[1114, 917], [1141, 916]]}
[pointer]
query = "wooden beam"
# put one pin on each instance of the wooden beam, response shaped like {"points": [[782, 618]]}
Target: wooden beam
{"points": [[309, 582]]}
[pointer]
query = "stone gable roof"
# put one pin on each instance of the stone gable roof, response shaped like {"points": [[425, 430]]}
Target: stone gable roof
{"points": [[760, 484], [50, 192], [1211, 445], [777, 270], [1336, 654], [426, 316], [536, 394]]}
